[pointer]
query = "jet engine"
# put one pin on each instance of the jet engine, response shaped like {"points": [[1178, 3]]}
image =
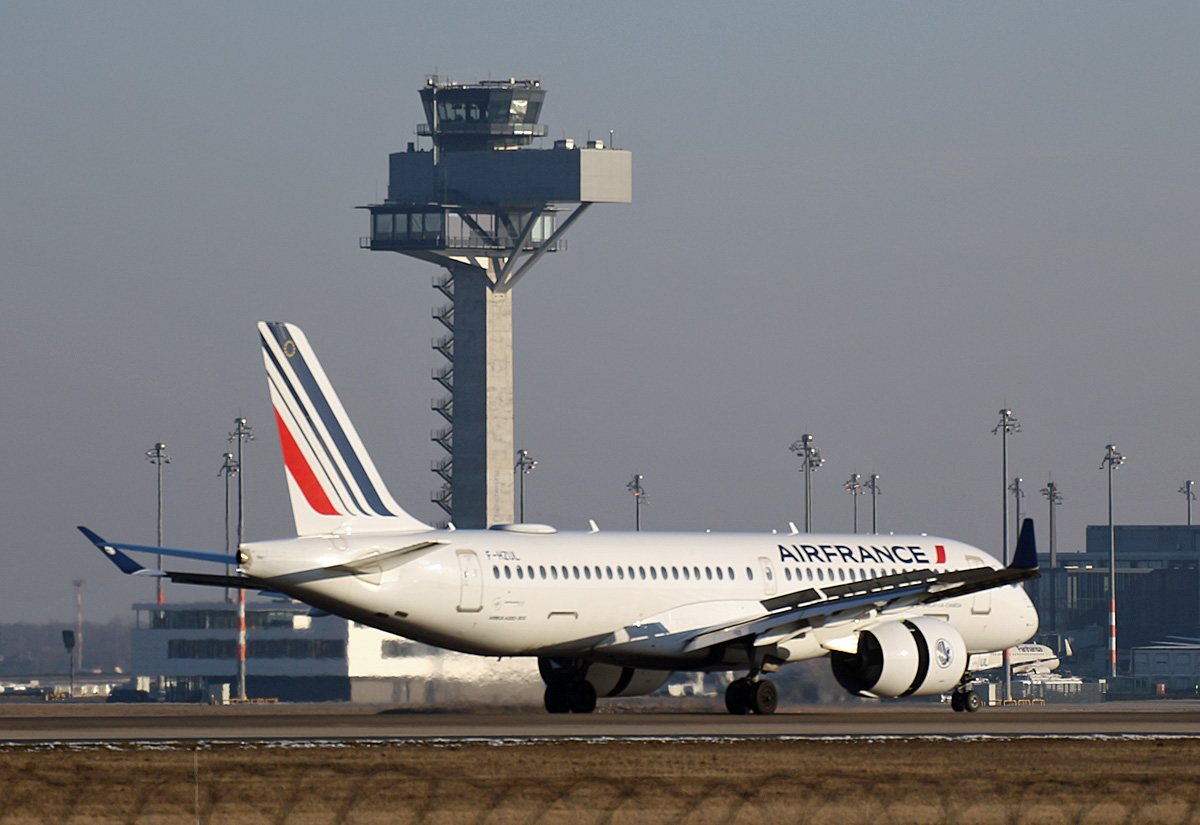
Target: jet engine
{"points": [[914, 657]]}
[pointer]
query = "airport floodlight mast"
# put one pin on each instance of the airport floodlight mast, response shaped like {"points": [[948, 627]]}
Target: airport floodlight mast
{"points": [[639, 498], [157, 455], [1052, 495], [242, 433], [854, 486], [1111, 461], [1018, 494], [1054, 499], [228, 468], [78, 624], [811, 457], [872, 484], [524, 466], [484, 206], [1188, 493], [1007, 425]]}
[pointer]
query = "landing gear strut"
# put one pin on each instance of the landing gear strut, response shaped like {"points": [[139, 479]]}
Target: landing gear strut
{"points": [[964, 698], [751, 695]]}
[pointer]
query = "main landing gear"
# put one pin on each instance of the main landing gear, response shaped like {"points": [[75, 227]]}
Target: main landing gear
{"points": [[751, 695], [964, 699], [570, 696]]}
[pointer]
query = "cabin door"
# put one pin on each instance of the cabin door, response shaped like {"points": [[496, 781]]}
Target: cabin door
{"points": [[470, 578]]}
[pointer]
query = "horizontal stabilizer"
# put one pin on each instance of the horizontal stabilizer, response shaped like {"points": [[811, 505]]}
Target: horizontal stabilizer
{"points": [[113, 549]]}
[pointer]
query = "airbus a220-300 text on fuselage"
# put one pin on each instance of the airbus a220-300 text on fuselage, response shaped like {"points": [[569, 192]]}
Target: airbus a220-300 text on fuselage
{"points": [[614, 613]]}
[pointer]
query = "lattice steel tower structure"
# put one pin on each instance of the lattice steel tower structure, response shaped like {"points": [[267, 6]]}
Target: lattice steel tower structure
{"points": [[485, 207]]}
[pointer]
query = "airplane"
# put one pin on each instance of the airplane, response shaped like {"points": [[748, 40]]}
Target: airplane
{"points": [[610, 614], [1022, 659]]}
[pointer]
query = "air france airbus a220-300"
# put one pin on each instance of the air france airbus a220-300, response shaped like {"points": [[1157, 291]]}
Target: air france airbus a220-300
{"points": [[608, 613]]}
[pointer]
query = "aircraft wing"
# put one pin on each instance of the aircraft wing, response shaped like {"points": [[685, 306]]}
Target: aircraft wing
{"points": [[791, 613]]}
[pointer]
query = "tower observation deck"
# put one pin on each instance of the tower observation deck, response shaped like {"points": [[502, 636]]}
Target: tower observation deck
{"points": [[486, 208]]}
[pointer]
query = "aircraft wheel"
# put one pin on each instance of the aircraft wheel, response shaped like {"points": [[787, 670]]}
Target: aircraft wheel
{"points": [[956, 702], [737, 696], [764, 698], [582, 696], [557, 698], [972, 701]]}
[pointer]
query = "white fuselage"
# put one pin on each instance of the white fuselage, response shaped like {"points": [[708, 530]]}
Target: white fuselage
{"points": [[626, 598]]}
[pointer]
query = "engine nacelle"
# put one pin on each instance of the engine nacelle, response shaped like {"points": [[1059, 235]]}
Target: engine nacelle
{"points": [[914, 657]]}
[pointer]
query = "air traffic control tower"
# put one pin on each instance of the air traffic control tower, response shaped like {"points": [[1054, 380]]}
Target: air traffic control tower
{"points": [[486, 208]]}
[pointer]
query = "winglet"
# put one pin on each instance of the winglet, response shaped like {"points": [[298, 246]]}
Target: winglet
{"points": [[1025, 557], [126, 564]]}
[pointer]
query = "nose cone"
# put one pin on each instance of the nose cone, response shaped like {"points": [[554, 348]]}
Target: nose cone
{"points": [[1025, 615]]}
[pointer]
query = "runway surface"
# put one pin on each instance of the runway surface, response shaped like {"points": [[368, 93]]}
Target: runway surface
{"points": [[148, 723]]}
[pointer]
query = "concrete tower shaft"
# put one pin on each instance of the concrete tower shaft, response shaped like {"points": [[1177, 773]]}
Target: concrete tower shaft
{"points": [[486, 210]]}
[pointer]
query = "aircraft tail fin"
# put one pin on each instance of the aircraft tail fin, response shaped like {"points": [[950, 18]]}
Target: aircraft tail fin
{"points": [[1025, 556], [333, 483]]}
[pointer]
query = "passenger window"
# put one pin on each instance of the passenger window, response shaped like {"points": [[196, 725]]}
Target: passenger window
{"points": [[809, 572], [731, 576], [821, 574], [554, 572], [621, 573], [597, 572], [675, 573], [530, 569], [608, 570], [542, 571], [696, 573], [520, 572], [664, 573], [719, 576], [631, 577], [575, 570], [587, 573], [642, 573], [787, 573], [654, 574], [841, 574], [708, 573], [686, 575], [750, 574], [495, 572]]}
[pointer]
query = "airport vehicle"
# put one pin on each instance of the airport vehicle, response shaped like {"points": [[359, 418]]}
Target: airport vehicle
{"points": [[614, 613]]}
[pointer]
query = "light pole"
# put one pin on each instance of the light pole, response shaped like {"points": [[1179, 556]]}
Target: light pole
{"points": [[1007, 425], [1186, 489], [78, 624], [242, 433], [228, 468], [812, 461], [157, 455], [639, 498], [1018, 494], [1054, 498], [854, 487], [524, 466], [1111, 461], [873, 485]]}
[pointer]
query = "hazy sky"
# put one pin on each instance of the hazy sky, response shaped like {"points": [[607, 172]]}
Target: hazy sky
{"points": [[879, 223]]}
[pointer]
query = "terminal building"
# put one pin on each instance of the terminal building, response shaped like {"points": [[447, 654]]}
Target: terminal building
{"points": [[1157, 589], [187, 651]]}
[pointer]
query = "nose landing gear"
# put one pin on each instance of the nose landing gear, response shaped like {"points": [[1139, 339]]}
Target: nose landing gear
{"points": [[964, 698]]}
